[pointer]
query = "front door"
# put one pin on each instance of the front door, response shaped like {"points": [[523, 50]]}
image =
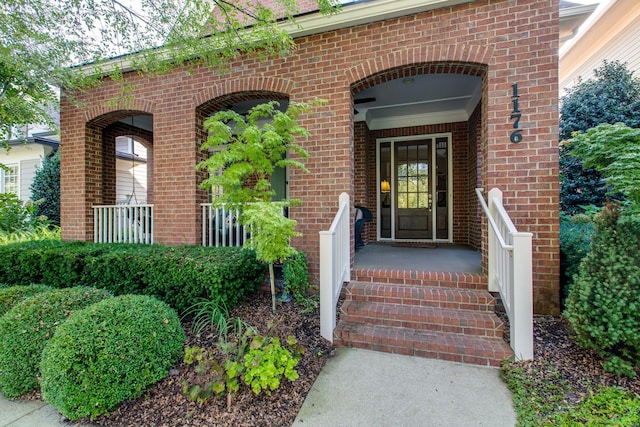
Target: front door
{"points": [[413, 188], [413, 193]]}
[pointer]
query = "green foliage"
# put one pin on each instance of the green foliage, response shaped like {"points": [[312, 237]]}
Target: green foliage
{"points": [[259, 361], [45, 189], [11, 296], [255, 146], [614, 151], [253, 150], [16, 215], [295, 273], [38, 38], [109, 352], [608, 406], [26, 328], [612, 96], [42, 232], [178, 276], [575, 241], [209, 314], [578, 186], [533, 404], [603, 303], [267, 362]]}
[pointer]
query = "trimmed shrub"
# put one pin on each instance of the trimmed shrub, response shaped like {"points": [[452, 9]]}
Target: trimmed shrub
{"points": [[25, 329], [603, 306], [9, 297], [178, 276], [109, 352], [575, 241]]}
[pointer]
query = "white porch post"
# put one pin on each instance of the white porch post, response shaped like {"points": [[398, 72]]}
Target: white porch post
{"points": [[521, 329], [495, 195]]}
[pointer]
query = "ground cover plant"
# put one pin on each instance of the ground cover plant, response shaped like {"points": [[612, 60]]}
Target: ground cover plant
{"points": [[26, 328], [109, 352], [566, 385]]}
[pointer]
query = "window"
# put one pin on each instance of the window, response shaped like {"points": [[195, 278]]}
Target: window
{"points": [[10, 180]]}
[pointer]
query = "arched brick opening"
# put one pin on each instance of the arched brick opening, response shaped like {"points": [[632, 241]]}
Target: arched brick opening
{"points": [[88, 169], [468, 143], [225, 101]]}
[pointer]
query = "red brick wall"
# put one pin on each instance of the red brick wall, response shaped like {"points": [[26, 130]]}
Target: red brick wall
{"points": [[505, 42]]}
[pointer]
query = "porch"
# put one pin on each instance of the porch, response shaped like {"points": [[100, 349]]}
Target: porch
{"points": [[436, 258]]}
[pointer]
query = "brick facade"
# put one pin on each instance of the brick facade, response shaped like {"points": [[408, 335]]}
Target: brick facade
{"points": [[504, 42]]}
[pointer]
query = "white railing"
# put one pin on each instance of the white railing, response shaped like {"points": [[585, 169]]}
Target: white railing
{"points": [[510, 272], [335, 265], [123, 224], [220, 226]]}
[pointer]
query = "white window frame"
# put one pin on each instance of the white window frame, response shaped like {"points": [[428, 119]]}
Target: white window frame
{"points": [[3, 179]]}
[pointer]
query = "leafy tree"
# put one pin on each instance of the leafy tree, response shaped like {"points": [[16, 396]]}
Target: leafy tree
{"points": [[45, 188], [41, 39], [255, 146], [612, 96], [614, 151]]}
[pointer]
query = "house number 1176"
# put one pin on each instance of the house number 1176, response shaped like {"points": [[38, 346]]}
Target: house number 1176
{"points": [[516, 135]]}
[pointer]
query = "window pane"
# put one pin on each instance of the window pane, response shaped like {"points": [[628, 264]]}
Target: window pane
{"points": [[11, 180], [423, 201], [402, 201]]}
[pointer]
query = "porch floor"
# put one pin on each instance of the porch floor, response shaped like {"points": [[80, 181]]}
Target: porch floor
{"points": [[436, 259]]}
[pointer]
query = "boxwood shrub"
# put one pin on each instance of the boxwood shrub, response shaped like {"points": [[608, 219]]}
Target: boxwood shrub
{"points": [[11, 296], [177, 275], [109, 352], [603, 306], [25, 329]]}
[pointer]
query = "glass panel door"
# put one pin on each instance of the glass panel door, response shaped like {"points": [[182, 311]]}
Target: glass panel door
{"points": [[413, 188], [413, 192]]}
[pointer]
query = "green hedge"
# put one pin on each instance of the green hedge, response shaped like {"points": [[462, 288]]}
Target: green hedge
{"points": [[176, 275], [11, 296], [109, 352], [25, 329]]}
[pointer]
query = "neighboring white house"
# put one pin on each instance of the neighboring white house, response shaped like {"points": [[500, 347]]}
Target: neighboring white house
{"points": [[611, 33], [23, 159]]}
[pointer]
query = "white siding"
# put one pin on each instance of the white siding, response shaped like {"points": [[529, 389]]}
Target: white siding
{"points": [[623, 47], [129, 178], [28, 170]]}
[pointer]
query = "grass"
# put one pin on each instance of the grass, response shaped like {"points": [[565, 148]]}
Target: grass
{"points": [[542, 398]]}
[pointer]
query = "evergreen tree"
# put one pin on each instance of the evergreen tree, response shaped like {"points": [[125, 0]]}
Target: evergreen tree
{"points": [[45, 188], [612, 96]]}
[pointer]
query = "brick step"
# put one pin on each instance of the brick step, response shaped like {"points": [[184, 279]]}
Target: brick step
{"points": [[467, 322], [439, 297], [456, 280], [445, 346]]}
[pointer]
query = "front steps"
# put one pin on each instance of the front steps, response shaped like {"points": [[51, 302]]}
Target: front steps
{"points": [[446, 316]]}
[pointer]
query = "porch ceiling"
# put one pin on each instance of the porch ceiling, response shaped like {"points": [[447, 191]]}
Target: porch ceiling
{"points": [[419, 100]]}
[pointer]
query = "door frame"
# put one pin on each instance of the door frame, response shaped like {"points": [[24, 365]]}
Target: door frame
{"points": [[432, 180]]}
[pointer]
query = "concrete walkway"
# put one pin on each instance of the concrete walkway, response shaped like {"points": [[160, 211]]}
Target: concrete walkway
{"points": [[29, 413], [373, 389], [365, 388]]}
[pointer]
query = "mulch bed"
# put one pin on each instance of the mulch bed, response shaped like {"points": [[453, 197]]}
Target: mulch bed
{"points": [[557, 358], [556, 355], [166, 405]]}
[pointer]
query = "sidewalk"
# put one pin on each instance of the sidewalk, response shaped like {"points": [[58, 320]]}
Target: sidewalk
{"points": [[373, 389], [29, 413]]}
